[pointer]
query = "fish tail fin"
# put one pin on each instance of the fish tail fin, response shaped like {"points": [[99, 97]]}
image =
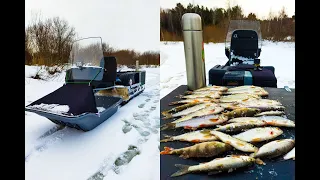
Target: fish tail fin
{"points": [[183, 169], [165, 113], [179, 96], [174, 103], [168, 116], [166, 140], [167, 136], [168, 126], [167, 150], [188, 92], [260, 162]]}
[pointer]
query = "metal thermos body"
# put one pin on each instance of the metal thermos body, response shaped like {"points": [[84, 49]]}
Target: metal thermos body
{"points": [[194, 51]]}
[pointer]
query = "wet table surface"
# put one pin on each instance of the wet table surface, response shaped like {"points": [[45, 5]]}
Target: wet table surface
{"points": [[274, 169]]}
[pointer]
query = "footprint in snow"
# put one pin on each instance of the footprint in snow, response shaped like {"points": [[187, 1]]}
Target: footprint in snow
{"points": [[153, 108], [125, 158], [126, 128], [141, 105], [141, 117], [145, 133], [97, 176], [146, 124], [147, 100], [153, 130]]}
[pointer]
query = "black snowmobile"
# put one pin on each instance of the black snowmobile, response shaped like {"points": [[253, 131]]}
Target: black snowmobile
{"points": [[243, 48], [93, 89]]}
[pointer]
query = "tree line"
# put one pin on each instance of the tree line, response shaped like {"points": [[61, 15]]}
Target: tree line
{"points": [[49, 42], [215, 21]]}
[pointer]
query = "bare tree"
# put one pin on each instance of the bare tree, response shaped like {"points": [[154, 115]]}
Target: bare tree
{"points": [[49, 40], [107, 49]]}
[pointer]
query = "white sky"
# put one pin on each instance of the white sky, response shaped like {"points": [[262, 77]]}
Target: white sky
{"points": [[260, 7], [121, 23]]}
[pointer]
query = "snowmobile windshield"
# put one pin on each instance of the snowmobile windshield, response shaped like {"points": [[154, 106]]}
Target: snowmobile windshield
{"points": [[86, 52], [243, 25]]}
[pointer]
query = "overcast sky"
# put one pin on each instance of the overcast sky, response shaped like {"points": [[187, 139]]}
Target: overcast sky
{"points": [[121, 23], [260, 7]]}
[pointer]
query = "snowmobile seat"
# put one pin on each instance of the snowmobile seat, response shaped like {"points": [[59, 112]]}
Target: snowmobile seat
{"points": [[109, 63], [110, 69], [245, 43]]}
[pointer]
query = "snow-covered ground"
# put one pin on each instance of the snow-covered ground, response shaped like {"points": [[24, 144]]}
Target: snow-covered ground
{"points": [[123, 147], [281, 55]]}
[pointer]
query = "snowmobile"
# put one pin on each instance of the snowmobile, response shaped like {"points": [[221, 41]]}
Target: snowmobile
{"points": [[243, 48], [93, 89]]}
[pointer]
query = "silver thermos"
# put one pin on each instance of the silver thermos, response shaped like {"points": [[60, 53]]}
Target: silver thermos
{"points": [[194, 51]]}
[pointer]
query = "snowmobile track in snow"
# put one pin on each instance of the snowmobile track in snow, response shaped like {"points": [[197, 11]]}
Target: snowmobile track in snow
{"points": [[51, 137], [141, 122]]}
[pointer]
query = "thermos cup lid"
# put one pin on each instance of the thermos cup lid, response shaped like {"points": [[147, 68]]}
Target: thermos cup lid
{"points": [[191, 22]]}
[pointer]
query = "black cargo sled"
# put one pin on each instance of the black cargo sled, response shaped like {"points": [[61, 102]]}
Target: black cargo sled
{"points": [[93, 89], [243, 48]]}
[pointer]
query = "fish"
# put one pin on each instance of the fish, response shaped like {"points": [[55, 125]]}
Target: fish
{"points": [[212, 109], [203, 135], [244, 87], [236, 127], [264, 108], [212, 95], [197, 122], [245, 120], [236, 143], [270, 113], [212, 88], [203, 92], [241, 112], [204, 149], [228, 163], [261, 104], [197, 100], [187, 111], [238, 98], [290, 155], [265, 121], [179, 108], [278, 121], [259, 134], [248, 89], [274, 148]]}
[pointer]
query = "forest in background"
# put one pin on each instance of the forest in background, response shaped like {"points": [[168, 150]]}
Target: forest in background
{"points": [[49, 42], [276, 27]]}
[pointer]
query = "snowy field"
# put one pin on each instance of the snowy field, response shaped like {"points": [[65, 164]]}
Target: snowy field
{"points": [[126, 146], [281, 55]]}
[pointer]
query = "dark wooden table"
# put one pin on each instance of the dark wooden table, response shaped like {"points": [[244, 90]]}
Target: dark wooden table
{"points": [[274, 169]]}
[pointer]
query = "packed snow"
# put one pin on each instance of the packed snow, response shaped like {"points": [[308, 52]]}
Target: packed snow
{"points": [[55, 108], [281, 55], [100, 109], [126, 146]]}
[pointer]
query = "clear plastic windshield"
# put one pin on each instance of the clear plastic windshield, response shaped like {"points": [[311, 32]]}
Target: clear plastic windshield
{"points": [[86, 52], [245, 25]]}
